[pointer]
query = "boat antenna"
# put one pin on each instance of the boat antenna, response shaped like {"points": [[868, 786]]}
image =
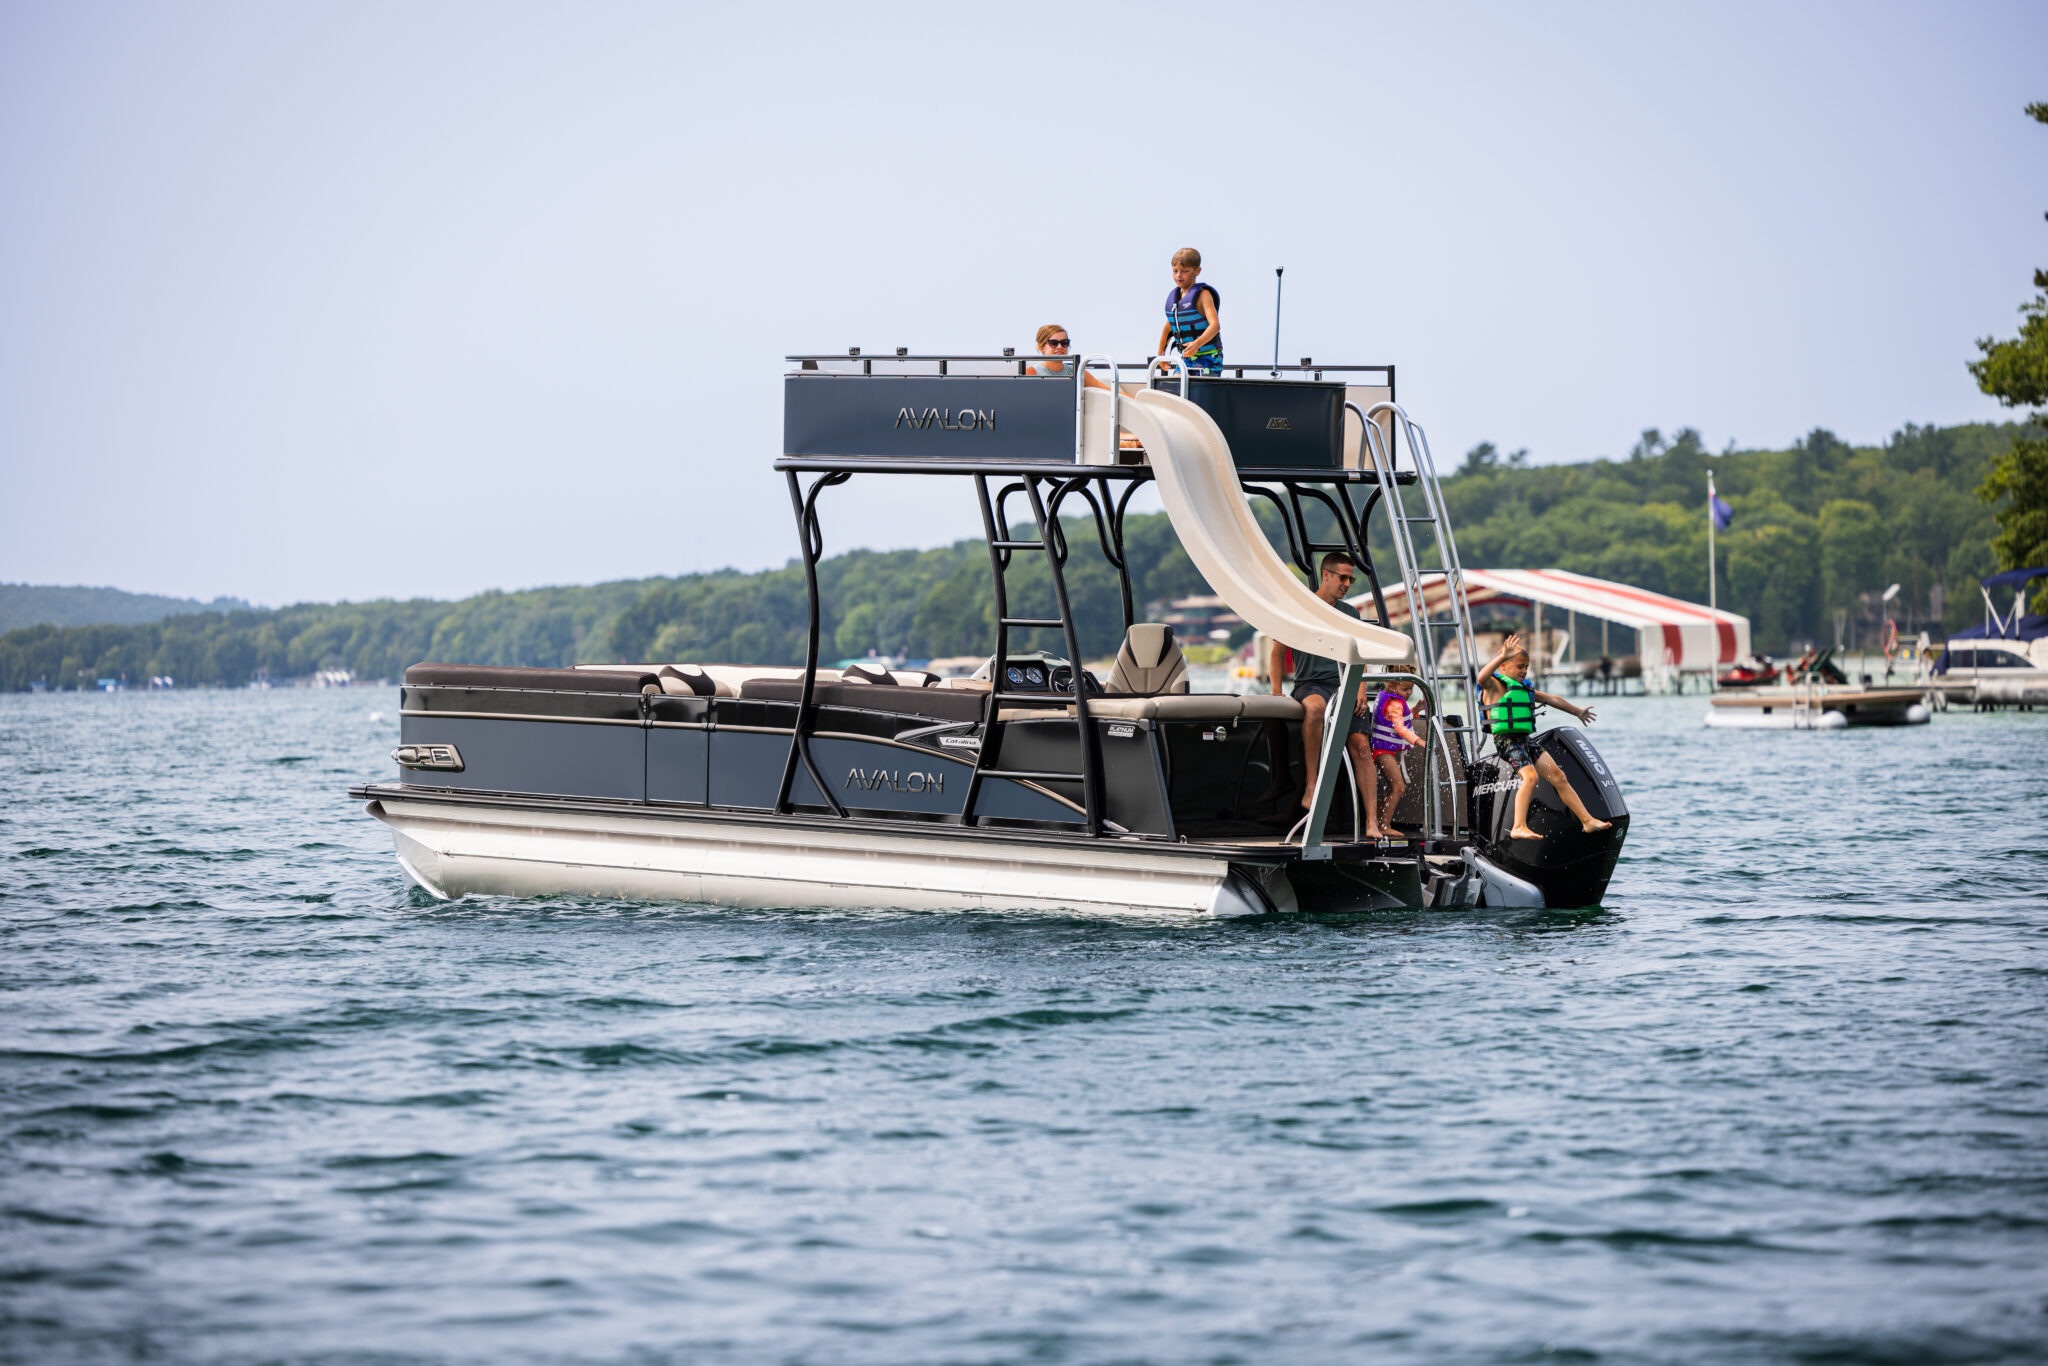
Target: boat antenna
{"points": [[1278, 271]]}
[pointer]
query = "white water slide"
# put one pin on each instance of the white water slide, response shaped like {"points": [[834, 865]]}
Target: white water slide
{"points": [[1199, 483]]}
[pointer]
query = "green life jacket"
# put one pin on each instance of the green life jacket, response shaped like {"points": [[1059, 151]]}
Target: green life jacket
{"points": [[1515, 713]]}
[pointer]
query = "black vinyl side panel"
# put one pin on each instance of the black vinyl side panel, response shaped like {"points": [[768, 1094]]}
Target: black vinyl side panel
{"points": [[548, 758], [678, 763], [1273, 424], [720, 767], [746, 770], [979, 417], [1131, 792], [871, 777]]}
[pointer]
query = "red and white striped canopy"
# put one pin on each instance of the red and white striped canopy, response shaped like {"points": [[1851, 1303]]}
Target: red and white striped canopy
{"points": [[1674, 632]]}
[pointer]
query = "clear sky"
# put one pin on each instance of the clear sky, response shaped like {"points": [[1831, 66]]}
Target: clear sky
{"points": [[311, 301]]}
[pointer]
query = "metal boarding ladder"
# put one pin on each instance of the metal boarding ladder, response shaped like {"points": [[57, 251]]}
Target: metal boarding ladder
{"points": [[1052, 541], [1422, 627]]}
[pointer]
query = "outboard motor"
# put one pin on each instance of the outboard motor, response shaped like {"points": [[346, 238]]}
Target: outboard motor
{"points": [[1570, 867]]}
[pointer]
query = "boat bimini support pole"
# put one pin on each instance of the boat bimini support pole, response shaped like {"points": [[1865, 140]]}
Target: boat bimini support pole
{"points": [[1336, 731], [813, 542]]}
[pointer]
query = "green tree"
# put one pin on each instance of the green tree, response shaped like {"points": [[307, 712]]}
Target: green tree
{"points": [[2015, 372], [858, 630], [1851, 550]]}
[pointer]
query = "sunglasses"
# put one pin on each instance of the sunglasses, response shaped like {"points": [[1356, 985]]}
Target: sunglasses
{"points": [[1345, 578], [1060, 342]]}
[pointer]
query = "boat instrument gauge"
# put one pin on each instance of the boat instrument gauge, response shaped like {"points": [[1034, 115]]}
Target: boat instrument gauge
{"points": [[1015, 675]]}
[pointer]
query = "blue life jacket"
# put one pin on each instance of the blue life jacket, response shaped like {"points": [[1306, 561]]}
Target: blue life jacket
{"points": [[1184, 318]]}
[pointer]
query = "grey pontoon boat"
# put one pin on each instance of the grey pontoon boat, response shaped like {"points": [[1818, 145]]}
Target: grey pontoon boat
{"points": [[1034, 785]]}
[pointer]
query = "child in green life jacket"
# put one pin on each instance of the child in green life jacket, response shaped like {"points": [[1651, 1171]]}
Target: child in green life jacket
{"points": [[1511, 716]]}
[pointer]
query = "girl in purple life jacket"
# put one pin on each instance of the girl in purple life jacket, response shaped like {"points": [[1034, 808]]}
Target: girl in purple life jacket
{"points": [[1390, 736]]}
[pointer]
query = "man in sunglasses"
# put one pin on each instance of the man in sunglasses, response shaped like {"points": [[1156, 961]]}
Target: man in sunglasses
{"points": [[1316, 680], [1053, 341]]}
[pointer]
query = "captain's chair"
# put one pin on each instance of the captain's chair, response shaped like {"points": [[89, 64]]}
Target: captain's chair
{"points": [[1150, 663]]}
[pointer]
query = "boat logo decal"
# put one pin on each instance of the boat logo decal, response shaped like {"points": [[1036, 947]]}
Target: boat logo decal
{"points": [[970, 419], [893, 780], [960, 742], [1122, 731], [428, 756], [1279, 424], [1504, 785]]}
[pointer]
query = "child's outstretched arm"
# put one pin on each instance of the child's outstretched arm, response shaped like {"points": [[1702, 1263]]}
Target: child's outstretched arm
{"points": [[1397, 718], [1585, 714]]}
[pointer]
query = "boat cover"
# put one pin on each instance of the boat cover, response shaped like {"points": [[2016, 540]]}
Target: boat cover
{"points": [[1687, 635]]}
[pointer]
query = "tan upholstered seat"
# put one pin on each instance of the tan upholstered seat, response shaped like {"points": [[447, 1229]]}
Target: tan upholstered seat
{"points": [[1207, 706], [1269, 707], [1149, 664]]}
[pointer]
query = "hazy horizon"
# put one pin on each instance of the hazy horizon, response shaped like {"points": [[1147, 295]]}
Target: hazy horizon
{"points": [[311, 305]]}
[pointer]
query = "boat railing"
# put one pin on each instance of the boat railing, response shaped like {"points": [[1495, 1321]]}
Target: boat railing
{"points": [[855, 361], [1422, 625], [1335, 759]]}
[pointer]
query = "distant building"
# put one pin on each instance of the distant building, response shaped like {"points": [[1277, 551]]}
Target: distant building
{"points": [[1200, 617]]}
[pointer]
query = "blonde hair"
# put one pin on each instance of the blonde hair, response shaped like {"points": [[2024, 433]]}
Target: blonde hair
{"points": [[1520, 654], [1047, 331], [1188, 256]]}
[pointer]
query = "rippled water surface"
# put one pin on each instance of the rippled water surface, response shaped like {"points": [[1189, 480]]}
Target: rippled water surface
{"points": [[1781, 1101]]}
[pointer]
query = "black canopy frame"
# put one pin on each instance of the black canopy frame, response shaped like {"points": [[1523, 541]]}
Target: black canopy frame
{"points": [[1046, 487]]}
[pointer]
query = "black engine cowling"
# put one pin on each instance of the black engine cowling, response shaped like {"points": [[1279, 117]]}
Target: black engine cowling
{"points": [[1570, 867]]}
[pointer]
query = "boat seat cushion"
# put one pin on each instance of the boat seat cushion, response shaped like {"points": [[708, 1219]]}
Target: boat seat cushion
{"points": [[691, 680], [1207, 706], [907, 678], [1270, 707], [936, 704], [1149, 663]]}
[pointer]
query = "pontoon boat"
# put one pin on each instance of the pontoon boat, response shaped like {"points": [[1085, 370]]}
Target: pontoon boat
{"points": [[1033, 784]]}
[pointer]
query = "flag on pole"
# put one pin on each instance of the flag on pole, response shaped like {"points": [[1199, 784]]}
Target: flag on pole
{"points": [[1724, 516]]}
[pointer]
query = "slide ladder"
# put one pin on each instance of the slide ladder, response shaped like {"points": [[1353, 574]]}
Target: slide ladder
{"points": [[1423, 625]]}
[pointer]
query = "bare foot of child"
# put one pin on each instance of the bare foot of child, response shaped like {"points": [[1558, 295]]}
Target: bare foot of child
{"points": [[1523, 832], [1590, 826]]}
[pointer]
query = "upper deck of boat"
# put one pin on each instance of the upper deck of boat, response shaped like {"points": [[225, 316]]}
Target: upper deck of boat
{"points": [[968, 414]]}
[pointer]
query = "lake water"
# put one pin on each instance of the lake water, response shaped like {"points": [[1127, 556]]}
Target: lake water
{"points": [[1781, 1101]]}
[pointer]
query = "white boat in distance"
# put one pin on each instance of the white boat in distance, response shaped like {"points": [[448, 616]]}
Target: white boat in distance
{"points": [[2005, 660]]}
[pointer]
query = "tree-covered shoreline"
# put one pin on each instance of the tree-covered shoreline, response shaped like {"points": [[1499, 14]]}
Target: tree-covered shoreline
{"points": [[1820, 528]]}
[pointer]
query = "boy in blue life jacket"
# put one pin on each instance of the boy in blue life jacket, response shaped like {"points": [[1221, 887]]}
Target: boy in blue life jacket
{"points": [[1194, 324], [1511, 716]]}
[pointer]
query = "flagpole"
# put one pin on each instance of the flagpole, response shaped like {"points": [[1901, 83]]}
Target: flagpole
{"points": [[1713, 673], [1712, 605]]}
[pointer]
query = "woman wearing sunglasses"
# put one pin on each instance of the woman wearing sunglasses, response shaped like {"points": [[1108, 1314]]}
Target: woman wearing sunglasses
{"points": [[1053, 341]]}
